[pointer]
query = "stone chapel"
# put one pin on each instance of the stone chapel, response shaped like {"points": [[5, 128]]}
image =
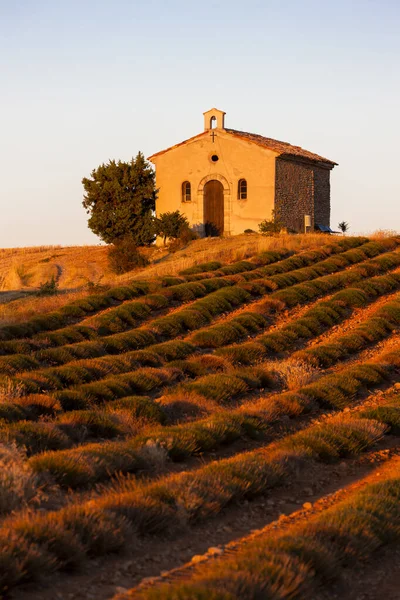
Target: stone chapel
{"points": [[226, 181]]}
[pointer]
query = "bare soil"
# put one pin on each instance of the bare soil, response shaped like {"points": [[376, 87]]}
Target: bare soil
{"points": [[320, 485]]}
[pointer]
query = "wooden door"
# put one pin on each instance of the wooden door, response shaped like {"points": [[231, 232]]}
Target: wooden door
{"points": [[214, 208]]}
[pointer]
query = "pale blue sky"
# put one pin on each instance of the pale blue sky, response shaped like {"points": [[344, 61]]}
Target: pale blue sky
{"points": [[85, 81]]}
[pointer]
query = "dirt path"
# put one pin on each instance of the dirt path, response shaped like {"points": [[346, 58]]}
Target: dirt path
{"points": [[356, 319], [378, 460], [101, 579], [14, 295], [373, 352]]}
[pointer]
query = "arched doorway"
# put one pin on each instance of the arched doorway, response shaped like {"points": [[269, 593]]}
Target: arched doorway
{"points": [[214, 208]]}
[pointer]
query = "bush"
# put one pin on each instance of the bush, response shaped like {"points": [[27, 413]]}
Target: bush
{"points": [[69, 470], [78, 425], [123, 256], [271, 226], [48, 288], [220, 387], [210, 266], [186, 235], [171, 225], [243, 354], [140, 407], [35, 437], [18, 483], [294, 374]]}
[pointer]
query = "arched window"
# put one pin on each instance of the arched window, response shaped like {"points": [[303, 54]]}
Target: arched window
{"points": [[213, 122], [242, 189], [186, 191]]}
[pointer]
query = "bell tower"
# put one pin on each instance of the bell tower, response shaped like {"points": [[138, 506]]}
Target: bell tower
{"points": [[214, 119]]}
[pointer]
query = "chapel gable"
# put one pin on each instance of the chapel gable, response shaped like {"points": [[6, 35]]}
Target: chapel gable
{"points": [[227, 181]]}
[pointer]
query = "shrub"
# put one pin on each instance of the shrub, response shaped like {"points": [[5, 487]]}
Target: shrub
{"points": [[294, 374], [40, 405], [186, 235], [271, 226], [19, 485], [48, 288], [169, 280], [79, 425], [173, 350], [243, 354], [156, 301], [10, 390], [211, 362], [190, 368], [183, 405], [123, 256], [11, 412], [219, 335], [212, 265], [35, 437], [256, 377], [140, 407], [171, 225], [73, 400], [220, 387], [186, 292], [69, 470], [337, 438], [122, 317]]}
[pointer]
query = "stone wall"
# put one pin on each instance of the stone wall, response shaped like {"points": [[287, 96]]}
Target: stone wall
{"points": [[301, 189], [322, 196], [293, 193]]}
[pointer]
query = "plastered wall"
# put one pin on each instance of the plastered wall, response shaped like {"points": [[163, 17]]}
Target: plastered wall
{"points": [[237, 159]]}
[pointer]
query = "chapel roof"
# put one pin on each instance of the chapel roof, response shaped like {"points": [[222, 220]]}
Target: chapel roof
{"points": [[284, 149]]}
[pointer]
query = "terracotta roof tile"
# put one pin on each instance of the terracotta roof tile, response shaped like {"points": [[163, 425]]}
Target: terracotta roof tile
{"points": [[281, 147]]}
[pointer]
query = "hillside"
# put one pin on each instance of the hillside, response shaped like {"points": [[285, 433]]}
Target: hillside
{"points": [[77, 268], [24, 269], [220, 425]]}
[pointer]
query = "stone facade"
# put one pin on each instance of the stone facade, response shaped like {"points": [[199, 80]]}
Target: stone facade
{"points": [[301, 189], [293, 193], [322, 196], [277, 176]]}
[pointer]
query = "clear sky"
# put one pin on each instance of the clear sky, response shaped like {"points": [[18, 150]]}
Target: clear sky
{"points": [[83, 81]]}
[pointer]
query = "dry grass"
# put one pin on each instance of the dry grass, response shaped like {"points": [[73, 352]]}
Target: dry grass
{"points": [[18, 483], [23, 309], [75, 266], [293, 374], [380, 234], [10, 390], [232, 249]]}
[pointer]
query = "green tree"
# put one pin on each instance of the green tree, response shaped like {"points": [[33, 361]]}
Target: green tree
{"points": [[120, 199], [171, 225], [343, 226]]}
